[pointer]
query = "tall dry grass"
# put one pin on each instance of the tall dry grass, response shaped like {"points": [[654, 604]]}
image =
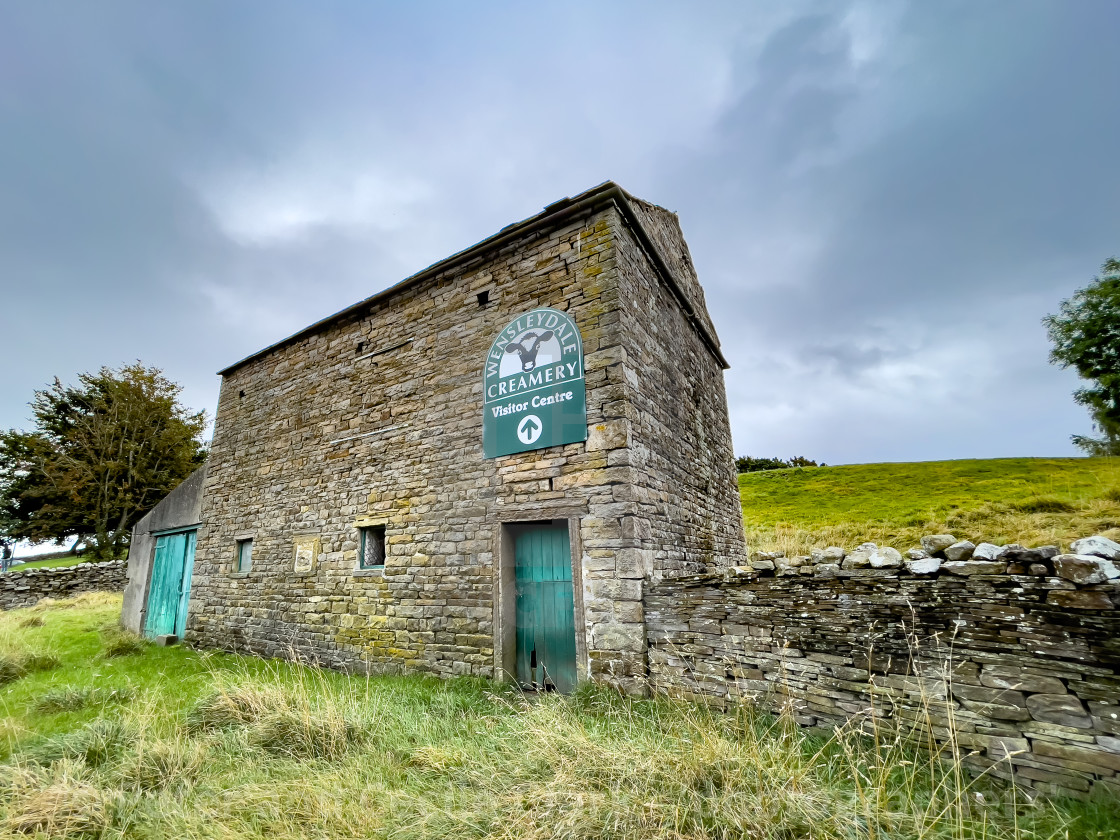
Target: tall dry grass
{"points": [[493, 765], [281, 750]]}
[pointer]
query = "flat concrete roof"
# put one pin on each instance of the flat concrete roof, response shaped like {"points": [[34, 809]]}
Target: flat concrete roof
{"points": [[552, 215]]}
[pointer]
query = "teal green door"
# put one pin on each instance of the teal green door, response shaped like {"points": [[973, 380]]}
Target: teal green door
{"points": [[546, 633], [170, 588]]}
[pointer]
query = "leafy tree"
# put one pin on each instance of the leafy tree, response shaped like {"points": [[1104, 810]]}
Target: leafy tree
{"points": [[102, 454], [1086, 337]]}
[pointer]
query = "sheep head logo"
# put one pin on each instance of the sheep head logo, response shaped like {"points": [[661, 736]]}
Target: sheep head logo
{"points": [[527, 348]]}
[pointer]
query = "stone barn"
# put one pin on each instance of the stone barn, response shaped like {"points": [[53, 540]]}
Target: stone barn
{"points": [[475, 471]]}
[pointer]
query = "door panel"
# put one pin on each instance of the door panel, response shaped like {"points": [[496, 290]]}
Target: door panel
{"points": [[185, 585], [169, 590], [545, 637]]}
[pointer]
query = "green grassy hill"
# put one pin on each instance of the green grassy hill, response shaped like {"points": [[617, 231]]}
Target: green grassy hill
{"points": [[105, 736], [57, 560], [1027, 500]]}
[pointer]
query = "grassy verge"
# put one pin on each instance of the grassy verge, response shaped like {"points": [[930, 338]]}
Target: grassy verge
{"points": [[1026, 500], [167, 742]]}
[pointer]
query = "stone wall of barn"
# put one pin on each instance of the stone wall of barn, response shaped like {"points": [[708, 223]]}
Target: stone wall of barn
{"points": [[318, 437], [1018, 655], [690, 519], [27, 588], [313, 440], [667, 441]]}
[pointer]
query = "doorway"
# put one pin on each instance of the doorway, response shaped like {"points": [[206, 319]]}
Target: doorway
{"points": [[545, 636], [170, 589]]}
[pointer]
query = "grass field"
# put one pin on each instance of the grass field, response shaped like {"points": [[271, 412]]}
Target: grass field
{"points": [[57, 560], [107, 737], [52, 562], [1031, 501]]}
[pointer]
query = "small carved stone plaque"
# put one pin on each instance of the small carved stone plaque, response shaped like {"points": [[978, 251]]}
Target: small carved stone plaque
{"points": [[307, 550]]}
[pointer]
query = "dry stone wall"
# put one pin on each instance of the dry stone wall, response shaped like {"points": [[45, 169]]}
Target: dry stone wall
{"points": [[1017, 652], [27, 588]]}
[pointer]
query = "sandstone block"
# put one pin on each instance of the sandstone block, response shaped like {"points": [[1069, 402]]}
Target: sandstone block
{"points": [[885, 558], [988, 551], [765, 556], [861, 557], [934, 543], [1004, 676], [995, 711], [1002, 747], [983, 694], [923, 565], [1109, 744], [1097, 758], [1106, 716], [1085, 599], [1016, 553], [1062, 709], [960, 550], [612, 434], [794, 562], [1085, 568], [832, 554], [974, 567], [634, 562], [618, 637], [1097, 546]]}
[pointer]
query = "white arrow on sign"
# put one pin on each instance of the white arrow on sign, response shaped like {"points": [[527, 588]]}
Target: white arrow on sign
{"points": [[529, 429]]}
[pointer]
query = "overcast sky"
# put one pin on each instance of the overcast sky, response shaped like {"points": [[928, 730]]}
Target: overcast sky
{"points": [[882, 199]]}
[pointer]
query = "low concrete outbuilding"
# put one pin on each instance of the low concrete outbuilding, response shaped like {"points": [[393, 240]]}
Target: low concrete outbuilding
{"points": [[171, 526]]}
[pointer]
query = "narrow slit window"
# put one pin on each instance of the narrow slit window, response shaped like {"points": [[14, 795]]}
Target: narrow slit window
{"points": [[371, 554], [244, 555]]}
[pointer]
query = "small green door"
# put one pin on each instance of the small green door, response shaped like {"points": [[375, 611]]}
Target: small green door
{"points": [[546, 634], [170, 588]]}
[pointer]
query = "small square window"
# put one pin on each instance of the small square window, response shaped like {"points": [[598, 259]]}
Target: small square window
{"points": [[371, 554], [244, 555]]}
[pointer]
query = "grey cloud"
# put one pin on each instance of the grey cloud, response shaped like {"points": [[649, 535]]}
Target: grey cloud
{"points": [[880, 220]]}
